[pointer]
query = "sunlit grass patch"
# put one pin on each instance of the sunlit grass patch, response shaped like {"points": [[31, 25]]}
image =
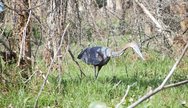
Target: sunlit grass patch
{"points": [[109, 88]]}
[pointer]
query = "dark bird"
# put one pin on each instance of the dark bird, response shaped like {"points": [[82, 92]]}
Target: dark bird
{"points": [[99, 56]]}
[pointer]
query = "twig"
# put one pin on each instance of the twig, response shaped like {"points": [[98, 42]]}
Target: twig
{"points": [[184, 31], [176, 84], [113, 13], [162, 27], [22, 45], [29, 9], [21, 75], [30, 77], [73, 58], [117, 84], [37, 71], [149, 15], [162, 86], [174, 67], [126, 93], [49, 68], [2, 42], [60, 70]]}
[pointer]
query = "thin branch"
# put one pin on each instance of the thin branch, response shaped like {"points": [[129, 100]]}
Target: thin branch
{"points": [[34, 73], [30, 77], [22, 45], [113, 13], [50, 67], [117, 84], [174, 67], [162, 27], [126, 93], [29, 9], [5, 45], [2, 42], [184, 31], [162, 86], [176, 84], [60, 70], [149, 15], [73, 58]]}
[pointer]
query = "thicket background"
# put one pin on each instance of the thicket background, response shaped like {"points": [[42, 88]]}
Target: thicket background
{"points": [[31, 32]]}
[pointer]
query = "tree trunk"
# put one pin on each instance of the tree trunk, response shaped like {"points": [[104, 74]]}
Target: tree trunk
{"points": [[22, 30]]}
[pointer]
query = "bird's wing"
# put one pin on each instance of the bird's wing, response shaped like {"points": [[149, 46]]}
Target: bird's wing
{"points": [[95, 56], [90, 56]]}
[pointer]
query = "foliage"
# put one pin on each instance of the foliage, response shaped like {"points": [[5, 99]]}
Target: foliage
{"points": [[91, 24], [76, 92]]}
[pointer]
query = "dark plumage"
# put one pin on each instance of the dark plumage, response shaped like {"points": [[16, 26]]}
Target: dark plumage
{"points": [[96, 56], [99, 56]]}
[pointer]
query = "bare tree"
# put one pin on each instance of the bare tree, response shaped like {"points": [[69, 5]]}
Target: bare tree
{"points": [[23, 31]]}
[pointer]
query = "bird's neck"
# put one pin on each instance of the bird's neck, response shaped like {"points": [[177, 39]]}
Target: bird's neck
{"points": [[118, 53], [133, 45]]}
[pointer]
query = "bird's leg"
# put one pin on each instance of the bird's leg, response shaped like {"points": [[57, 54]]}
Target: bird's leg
{"points": [[99, 68], [95, 72]]}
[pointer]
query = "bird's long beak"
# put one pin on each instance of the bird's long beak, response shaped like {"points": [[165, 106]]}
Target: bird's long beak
{"points": [[140, 54], [137, 49]]}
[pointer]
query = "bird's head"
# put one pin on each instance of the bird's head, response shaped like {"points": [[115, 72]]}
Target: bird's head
{"points": [[135, 47]]}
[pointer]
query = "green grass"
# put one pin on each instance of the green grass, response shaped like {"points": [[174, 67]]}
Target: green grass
{"points": [[80, 93]]}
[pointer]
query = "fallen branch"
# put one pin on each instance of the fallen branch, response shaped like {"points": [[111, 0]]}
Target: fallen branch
{"points": [[50, 67], [176, 84], [162, 86]]}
